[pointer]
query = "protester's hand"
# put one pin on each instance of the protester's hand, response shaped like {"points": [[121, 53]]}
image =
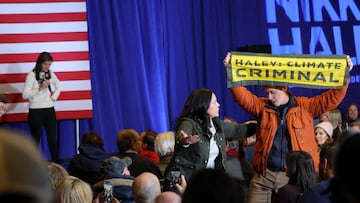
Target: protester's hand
{"points": [[189, 139], [181, 187], [349, 62], [227, 59]]}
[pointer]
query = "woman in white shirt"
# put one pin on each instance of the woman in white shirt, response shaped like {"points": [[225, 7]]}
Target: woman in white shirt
{"points": [[41, 101]]}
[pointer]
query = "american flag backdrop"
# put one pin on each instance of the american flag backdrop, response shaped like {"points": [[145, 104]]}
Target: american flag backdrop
{"points": [[28, 27]]}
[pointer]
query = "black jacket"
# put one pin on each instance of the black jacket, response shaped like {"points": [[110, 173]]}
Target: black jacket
{"points": [[86, 165]]}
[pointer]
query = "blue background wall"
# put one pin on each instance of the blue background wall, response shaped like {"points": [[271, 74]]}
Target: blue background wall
{"points": [[147, 56]]}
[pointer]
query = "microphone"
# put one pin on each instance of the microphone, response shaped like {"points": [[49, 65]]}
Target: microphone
{"points": [[47, 77]]}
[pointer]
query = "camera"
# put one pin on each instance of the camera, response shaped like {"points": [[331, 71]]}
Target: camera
{"points": [[108, 192]]}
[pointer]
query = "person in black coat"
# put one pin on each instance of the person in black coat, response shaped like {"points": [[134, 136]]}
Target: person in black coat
{"points": [[86, 165], [128, 142]]}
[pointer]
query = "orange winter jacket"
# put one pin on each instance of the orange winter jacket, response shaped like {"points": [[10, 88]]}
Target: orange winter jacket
{"points": [[299, 120]]}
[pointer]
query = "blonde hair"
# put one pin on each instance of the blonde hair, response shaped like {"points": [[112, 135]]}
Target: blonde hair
{"points": [[164, 142], [56, 174], [335, 117], [73, 190]]}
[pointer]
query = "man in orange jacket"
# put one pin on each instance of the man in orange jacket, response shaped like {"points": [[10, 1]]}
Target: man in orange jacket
{"points": [[285, 123]]}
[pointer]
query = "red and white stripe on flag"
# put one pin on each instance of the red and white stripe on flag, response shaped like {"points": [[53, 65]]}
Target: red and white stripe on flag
{"points": [[28, 27]]}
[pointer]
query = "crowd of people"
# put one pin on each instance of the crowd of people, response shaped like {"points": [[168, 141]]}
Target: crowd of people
{"points": [[294, 158]]}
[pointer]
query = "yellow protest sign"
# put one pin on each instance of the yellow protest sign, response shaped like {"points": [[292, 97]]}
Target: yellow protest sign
{"points": [[287, 70]]}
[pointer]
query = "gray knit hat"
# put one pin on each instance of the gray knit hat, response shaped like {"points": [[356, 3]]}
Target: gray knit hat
{"points": [[113, 167], [22, 170]]}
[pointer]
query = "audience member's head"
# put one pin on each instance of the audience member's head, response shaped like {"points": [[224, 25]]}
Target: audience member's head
{"points": [[3, 101], [323, 133], [164, 143], [23, 174], [211, 185], [92, 137], [128, 139], [146, 188], [332, 116], [327, 156], [73, 190], [168, 197], [114, 167], [57, 173], [147, 138], [300, 169], [345, 185], [352, 112]]}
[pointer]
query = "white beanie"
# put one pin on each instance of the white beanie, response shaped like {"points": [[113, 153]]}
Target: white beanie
{"points": [[327, 127]]}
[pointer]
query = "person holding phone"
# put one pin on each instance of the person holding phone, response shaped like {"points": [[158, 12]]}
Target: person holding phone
{"points": [[41, 96], [201, 136], [117, 181]]}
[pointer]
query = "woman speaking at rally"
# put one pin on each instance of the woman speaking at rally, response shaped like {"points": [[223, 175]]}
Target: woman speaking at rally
{"points": [[41, 102]]}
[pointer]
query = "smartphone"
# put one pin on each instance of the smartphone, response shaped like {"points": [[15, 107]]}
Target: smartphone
{"points": [[175, 177], [108, 192]]}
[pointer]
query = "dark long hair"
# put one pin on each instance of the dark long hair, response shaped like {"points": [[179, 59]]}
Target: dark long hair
{"points": [[196, 107], [300, 169], [43, 56]]}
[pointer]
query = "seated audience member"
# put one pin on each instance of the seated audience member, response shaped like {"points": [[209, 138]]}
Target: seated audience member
{"points": [[146, 188], [323, 133], [319, 192], [301, 172], [57, 173], [213, 185], [115, 172], [3, 101], [23, 174], [344, 186], [128, 143], [352, 114], [168, 197], [86, 164], [335, 118], [164, 147], [147, 138], [73, 190]]}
